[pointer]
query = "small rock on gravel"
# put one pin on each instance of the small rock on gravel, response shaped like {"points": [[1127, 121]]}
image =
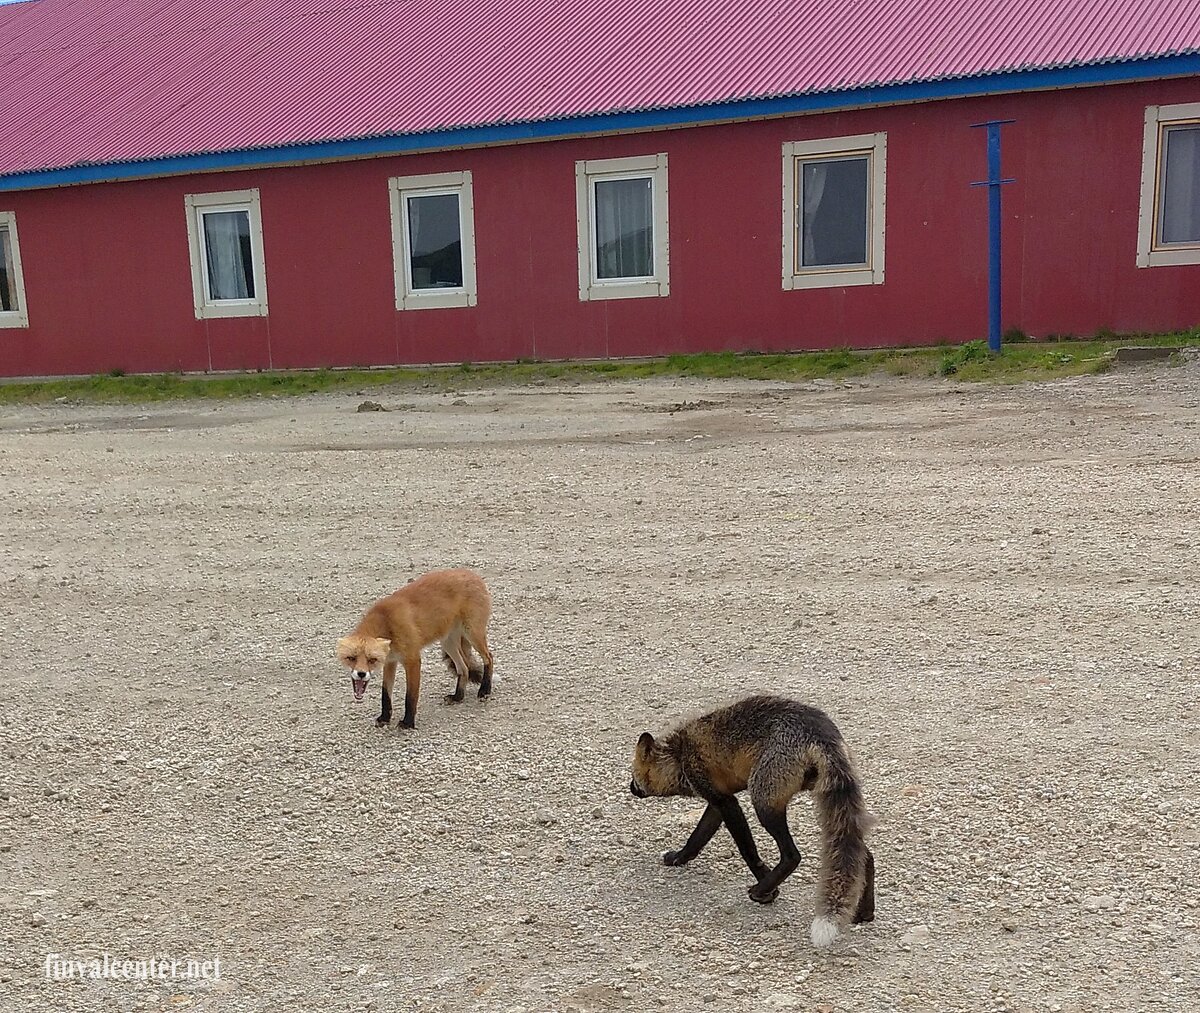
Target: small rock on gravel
{"points": [[1099, 902], [916, 934]]}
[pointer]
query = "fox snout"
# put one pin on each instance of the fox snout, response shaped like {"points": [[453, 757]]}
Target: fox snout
{"points": [[636, 789]]}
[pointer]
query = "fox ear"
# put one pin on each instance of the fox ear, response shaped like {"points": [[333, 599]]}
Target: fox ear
{"points": [[343, 646], [645, 744], [383, 644]]}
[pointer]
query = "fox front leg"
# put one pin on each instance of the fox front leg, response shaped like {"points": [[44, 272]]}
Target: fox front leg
{"points": [[412, 691], [739, 830], [385, 713], [709, 824]]}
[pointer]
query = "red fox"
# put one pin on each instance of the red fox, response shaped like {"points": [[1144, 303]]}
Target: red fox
{"points": [[448, 605], [775, 747]]}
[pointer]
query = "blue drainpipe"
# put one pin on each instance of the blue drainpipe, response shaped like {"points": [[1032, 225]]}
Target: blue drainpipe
{"points": [[993, 183]]}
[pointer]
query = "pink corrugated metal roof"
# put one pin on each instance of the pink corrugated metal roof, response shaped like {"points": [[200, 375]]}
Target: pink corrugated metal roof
{"points": [[119, 80]]}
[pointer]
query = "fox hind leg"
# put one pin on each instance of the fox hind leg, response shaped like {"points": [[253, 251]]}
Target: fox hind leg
{"points": [[474, 665], [865, 912], [454, 654], [476, 636], [774, 821]]}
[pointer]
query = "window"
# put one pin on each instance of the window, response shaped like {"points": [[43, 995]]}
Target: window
{"points": [[621, 217], [12, 284], [433, 240], [1169, 219], [833, 211], [225, 242]]}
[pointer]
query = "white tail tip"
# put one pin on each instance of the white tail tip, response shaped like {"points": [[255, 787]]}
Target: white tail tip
{"points": [[824, 931]]}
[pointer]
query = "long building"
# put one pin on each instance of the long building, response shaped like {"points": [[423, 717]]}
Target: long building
{"points": [[215, 185]]}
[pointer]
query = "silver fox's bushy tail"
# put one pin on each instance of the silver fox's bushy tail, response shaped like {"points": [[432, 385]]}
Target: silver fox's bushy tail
{"points": [[847, 866]]}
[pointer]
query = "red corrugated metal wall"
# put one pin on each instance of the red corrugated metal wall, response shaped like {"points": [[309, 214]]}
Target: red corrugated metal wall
{"points": [[108, 283]]}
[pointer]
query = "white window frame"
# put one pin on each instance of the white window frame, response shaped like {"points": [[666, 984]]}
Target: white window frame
{"points": [[432, 185], [795, 152], [20, 316], [199, 204], [587, 175], [1149, 252]]}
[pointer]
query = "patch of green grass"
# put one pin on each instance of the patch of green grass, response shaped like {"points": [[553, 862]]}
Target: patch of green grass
{"points": [[972, 352], [1018, 361]]}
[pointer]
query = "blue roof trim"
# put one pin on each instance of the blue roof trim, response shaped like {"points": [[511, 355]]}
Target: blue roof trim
{"points": [[676, 116]]}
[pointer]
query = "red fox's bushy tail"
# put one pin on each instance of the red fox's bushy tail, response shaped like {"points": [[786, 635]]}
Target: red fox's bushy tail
{"points": [[847, 866]]}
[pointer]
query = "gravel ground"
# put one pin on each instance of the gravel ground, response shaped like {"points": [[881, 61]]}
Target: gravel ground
{"points": [[991, 590]]}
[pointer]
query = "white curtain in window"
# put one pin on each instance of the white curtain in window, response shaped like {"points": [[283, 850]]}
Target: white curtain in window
{"points": [[419, 276], [414, 222], [228, 277], [813, 188], [1181, 187], [624, 228]]}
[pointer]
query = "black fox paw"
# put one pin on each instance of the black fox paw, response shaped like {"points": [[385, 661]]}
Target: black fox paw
{"points": [[763, 897], [382, 722], [675, 858], [453, 698]]}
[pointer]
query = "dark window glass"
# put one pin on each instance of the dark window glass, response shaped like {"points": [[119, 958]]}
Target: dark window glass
{"points": [[832, 212], [435, 241]]}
